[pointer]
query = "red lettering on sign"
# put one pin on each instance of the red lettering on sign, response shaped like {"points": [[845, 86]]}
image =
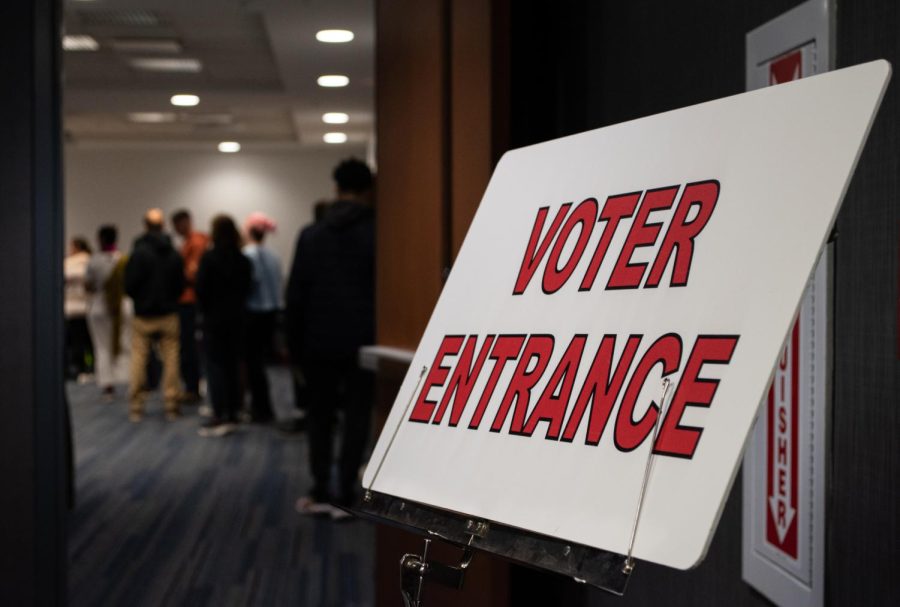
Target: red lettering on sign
{"points": [[627, 275], [681, 233], [630, 433], [603, 383], [584, 216], [537, 246], [506, 348], [436, 377], [783, 416], [615, 209], [551, 406], [677, 245], [601, 389], [538, 350], [693, 391], [465, 374]]}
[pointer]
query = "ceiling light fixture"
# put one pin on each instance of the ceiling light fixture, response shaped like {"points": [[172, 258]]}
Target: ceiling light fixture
{"points": [[182, 100], [166, 64], [229, 147], [334, 36], [334, 137], [80, 43], [333, 80], [335, 118], [152, 117]]}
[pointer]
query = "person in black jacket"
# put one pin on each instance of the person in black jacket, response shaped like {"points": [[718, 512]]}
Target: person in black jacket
{"points": [[330, 305], [154, 278], [222, 284]]}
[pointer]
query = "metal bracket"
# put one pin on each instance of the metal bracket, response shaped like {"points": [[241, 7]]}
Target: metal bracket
{"points": [[415, 569]]}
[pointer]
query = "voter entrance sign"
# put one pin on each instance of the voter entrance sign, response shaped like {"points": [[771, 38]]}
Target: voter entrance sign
{"points": [[599, 265]]}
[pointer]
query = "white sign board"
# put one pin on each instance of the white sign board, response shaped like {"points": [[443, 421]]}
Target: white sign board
{"points": [[784, 467], [674, 246]]}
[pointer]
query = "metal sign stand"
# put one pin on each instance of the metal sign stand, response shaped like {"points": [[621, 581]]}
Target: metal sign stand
{"points": [[603, 569]]}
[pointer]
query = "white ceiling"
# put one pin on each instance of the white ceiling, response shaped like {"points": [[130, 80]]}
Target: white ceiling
{"points": [[258, 83]]}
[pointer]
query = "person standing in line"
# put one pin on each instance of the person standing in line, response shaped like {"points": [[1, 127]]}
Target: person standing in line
{"points": [[331, 314], [263, 304], [297, 423], [194, 245], [109, 311], [79, 351], [223, 284], [154, 279]]}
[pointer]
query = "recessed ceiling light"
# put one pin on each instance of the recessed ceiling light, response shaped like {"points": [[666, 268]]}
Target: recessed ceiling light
{"points": [[166, 64], [334, 36], [152, 117], [185, 100], [333, 80], [335, 118], [80, 43], [334, 137], [229, 147]]}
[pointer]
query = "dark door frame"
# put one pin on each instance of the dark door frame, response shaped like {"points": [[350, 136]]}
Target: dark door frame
{"points": [[33, 425]]}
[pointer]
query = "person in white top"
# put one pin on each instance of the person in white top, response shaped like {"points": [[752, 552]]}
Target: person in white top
{"points": [[263, 305], [79, 353], [109, 312]]}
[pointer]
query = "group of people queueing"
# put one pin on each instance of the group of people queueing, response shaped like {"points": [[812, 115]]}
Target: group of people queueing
{"points": [[154, 302], [129, 314]]}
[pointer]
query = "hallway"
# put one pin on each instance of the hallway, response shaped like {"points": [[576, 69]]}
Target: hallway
{"points": [[163, 516]]}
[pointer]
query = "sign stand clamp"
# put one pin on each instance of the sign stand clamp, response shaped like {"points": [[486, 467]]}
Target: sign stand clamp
{"points": [[414, 569]]}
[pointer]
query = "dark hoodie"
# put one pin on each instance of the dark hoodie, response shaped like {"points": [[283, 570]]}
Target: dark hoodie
{"points": [[330, 298], [154, 276]]}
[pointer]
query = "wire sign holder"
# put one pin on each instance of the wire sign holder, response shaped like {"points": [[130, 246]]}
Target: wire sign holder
{"points": [[672, 249]]}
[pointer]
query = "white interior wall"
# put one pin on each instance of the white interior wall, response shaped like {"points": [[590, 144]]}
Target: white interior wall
{"points": [[117, 184]]}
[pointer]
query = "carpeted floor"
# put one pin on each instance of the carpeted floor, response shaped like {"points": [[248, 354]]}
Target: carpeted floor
{"points": [[164, 517]]}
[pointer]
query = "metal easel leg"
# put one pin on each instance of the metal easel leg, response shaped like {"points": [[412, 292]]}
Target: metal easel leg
{"points": [[628, 566]]}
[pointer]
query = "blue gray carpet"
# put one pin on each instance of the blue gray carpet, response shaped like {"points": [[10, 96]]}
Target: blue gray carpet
{"points": [[164, 517]]}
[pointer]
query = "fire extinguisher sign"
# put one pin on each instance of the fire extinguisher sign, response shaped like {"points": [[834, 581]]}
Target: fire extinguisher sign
{"points": [[782, 421], [784, 467]]}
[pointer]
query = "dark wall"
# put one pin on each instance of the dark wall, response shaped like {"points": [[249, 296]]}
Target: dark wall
{"points": [[578, 64], [864, 520], [32, 467]]}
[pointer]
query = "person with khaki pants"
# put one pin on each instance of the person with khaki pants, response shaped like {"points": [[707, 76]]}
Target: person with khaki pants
{"points": [[144, 330], [154, 279]]}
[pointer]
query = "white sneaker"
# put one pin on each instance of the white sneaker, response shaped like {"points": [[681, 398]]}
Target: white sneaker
{"points": [[215, 430], [307, 506], [339, 514]]}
